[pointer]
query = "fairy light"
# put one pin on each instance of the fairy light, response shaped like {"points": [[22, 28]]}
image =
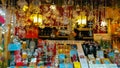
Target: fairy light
{"points": [[81, 19], [53, 6], [103, 23]]}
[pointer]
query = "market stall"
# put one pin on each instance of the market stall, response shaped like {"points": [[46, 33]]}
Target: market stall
{"points": [[59, 33]]}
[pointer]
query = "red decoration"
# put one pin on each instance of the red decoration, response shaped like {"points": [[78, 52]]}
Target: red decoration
{"points": [[32, 32], [19, 64], [2, 20]]}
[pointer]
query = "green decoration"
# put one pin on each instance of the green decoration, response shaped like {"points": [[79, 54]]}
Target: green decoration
{"points": [[104, 44]]}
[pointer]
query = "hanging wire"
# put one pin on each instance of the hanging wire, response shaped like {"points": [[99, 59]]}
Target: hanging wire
{"points": [[81, 5], [104, 8]]}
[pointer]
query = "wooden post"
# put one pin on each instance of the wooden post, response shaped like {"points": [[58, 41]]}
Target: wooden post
{"points": [[6, 42]]}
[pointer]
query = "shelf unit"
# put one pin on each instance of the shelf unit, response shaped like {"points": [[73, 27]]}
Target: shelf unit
{"points": [[87, 37], [84, 29], [57, 36], [48, 30], [85, 33]]}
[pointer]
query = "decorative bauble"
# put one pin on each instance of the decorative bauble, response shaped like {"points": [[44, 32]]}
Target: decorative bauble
{"points": [[48, 1]]}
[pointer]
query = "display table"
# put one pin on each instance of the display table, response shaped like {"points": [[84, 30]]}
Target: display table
{"points": [[61, 55], [57, 54], [103, 66]]}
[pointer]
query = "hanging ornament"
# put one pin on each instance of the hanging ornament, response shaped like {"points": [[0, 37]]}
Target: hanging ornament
{"points": [[70, 2], [65, 20], [77, 7], [90, 16], [48, 1], [3, 2], [2, 20], [37, 2], [2, 15], [4, 29], [64, 4], [22, 3]]}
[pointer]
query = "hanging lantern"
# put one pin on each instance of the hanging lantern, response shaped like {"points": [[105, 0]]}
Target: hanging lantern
{"points": [[22, 3], [53, 7], [103, 23], [25, 7], [36, 19], [81, 19]]}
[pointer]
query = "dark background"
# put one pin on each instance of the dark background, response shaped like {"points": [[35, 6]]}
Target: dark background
{"points": [[110, 3]]}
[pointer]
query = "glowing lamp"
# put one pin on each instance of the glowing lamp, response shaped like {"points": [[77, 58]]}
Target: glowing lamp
{"points": [[25, 7], [36, 18], [81, 20], [103, 23], [53, 7]]}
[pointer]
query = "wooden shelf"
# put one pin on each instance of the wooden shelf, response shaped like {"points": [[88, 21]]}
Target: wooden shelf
{"points": [[62, 36], [44, 36], [58, 36], [56, 26], [87, 37], [85, 29]]}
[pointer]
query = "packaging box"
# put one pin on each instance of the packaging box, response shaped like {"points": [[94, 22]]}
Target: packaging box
{"points": [[77, 64]]}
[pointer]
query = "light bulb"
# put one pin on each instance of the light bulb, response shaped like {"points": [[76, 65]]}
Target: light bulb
{"points": [[53, 7], [103, 23]]}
